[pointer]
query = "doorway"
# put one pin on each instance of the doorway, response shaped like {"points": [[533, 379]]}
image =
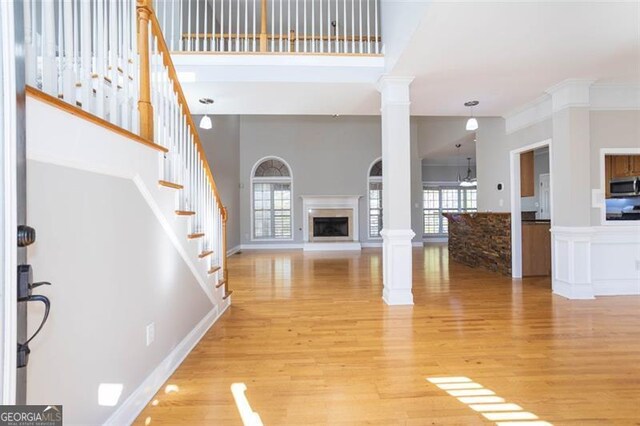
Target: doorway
{"points": [[531, 209]]}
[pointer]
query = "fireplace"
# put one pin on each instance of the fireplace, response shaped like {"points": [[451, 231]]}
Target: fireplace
{"points": [[330, 222], [331, 226]]}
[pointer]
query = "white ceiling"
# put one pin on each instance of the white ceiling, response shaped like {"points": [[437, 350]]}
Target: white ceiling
{"points": [[503, 54]]}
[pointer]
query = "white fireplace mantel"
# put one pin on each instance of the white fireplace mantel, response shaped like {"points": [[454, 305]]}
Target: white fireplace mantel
{"points": [[313, 202]]}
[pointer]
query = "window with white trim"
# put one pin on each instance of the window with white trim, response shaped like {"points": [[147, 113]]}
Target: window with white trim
{"points": [[442, 199], [375, 199], [271, 200]]}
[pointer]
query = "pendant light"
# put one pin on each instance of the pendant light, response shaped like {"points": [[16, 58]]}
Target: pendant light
{"points": [[468, 180], [472, 122], [205, 122]]}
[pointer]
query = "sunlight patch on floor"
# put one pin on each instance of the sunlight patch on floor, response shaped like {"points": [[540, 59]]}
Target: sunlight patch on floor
{"points": [[249, 417], [485, 401]]}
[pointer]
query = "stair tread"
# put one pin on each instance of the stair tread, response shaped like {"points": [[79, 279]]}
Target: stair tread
{"points": [[227, 294], [195, 235], [185, 213], [221, 283], [205, 254], [170, 184], [214, 269]]}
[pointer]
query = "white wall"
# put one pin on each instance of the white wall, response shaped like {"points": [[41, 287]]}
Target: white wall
{"points": [[118, 259], [222, 147]]}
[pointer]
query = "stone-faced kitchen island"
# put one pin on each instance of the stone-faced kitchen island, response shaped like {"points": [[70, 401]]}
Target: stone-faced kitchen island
{"points": [[481, 240]]}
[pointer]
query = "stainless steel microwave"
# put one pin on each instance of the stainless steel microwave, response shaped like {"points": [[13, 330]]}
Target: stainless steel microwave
{"points": [[625, 187]]}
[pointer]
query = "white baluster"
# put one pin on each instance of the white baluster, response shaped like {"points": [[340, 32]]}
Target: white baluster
{"points": [[313, 25], [288, 25], [329, 26], [368, 26], [66, 56], [280, 35], [273, 26], [321, 21], [188, 25], [375, 40], [30, 61], [297, 46], [254, 25], [344, 28], [246, 27], [337, 46], [197, 37], [238, 26], [304, 16], [230, 45], [353, 27], [360, 25]]}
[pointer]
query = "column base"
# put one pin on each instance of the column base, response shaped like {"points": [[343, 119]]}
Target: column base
{"points": [[397, 297], [397, 266]]}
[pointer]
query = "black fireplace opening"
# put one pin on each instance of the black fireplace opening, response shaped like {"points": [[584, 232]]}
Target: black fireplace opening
{"points": [[330, 226]]}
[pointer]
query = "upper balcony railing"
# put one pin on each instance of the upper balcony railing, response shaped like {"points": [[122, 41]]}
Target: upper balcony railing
{"points": [[335, 27]]}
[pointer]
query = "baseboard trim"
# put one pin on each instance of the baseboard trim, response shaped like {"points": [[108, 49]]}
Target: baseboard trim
{"points": [[271, 246], [129, 410], [435, 240], [234, 250]]}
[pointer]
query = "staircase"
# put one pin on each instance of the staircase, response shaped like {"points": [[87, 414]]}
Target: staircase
{"points": [[107, 62]]}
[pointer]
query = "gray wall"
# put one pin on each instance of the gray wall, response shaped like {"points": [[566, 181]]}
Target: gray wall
{"points": [[222, 147], [113, 270], [492, 159], [327, 155], [444, 173], [610, 129]]}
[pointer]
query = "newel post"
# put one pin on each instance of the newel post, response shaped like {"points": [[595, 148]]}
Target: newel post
{"points": [[143, 11]]}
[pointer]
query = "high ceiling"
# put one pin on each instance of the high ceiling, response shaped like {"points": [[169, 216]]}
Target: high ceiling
{"points": [[503, 54]]}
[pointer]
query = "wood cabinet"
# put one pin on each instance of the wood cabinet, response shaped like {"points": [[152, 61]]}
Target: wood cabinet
{"points": [[608, 174], [624, 165], [536, 249], [634, 165], [527, 177]]}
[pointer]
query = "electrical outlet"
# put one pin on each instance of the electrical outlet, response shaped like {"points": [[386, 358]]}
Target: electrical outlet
{"points": [[151, 333]]}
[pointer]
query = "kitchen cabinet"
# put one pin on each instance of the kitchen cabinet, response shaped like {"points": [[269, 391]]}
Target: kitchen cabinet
{"points": [[536, 249], [634, 165], [527, 178], [625, 165], [608, 175]]}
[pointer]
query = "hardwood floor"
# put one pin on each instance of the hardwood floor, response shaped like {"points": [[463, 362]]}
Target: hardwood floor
{"points": [[310, 337]]}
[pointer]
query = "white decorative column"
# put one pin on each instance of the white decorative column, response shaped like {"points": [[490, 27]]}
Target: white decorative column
{"points": [[396, 190], [571, 192]]}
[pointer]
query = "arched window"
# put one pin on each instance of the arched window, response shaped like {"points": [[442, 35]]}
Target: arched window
{"points": [[375, 199], [271, 199]]}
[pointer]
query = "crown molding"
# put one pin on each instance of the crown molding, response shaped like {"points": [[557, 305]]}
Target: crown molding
{"points": [[530, 113], [574, 93], [571, 93]]}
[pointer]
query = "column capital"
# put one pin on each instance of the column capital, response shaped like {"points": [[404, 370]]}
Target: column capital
{"points": [[394, 89], [570, 93]]}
